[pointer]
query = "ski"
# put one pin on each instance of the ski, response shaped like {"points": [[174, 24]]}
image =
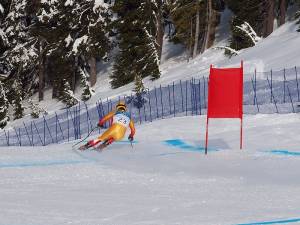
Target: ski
{"points": [[101, 146], [83, 147], [98, 148]]}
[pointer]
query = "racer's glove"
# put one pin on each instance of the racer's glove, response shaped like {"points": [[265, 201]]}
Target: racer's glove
{"points": [[130, 137], [100, 124]]}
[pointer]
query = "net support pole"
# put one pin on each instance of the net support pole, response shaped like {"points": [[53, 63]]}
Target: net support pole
{"points": [[206, 136]]}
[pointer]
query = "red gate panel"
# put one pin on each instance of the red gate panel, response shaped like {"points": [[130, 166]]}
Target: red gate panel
{"points": [[225, 95]]}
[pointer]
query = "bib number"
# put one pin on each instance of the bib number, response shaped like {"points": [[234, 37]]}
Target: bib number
{"points": [[122, 119]]}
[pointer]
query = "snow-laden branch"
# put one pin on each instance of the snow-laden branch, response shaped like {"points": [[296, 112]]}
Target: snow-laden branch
{"points": [[231, 50], [249, 31], [1, 9]]}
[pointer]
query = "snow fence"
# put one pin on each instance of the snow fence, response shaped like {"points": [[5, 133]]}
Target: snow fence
{"points": [[264, 92]]}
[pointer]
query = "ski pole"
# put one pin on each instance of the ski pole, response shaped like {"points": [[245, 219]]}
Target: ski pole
{"points": [[131, 144], [85, 137]]}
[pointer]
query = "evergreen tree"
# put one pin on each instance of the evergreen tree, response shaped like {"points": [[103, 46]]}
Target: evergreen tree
{"points": [[16, 98], [136, 34], [67, 95], [87, 92], [3, 107], [36, 110], [297, 15], [140, 91], [251, 12], [20, 56], [195, 22], [74, 31]]}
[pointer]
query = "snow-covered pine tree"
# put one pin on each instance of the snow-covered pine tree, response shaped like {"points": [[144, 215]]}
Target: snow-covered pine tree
{"points": [[67, 95], [36, 110], [136, 34], [87, 91], [94, 26], [251, 11], [3, 107], [20, 56], [297, 15], [246, 36], [75, 32], [140, 91], [16, 95]]}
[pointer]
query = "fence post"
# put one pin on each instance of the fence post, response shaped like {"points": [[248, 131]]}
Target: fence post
{"points": [[145, 116], [272, 96], [49, 130], [254, 88], [88, 118], [192, 102], [62, 133], [102, 113], [31, 129], [18, 136], [181, 92], [149, 102], [7, 137], [27, 134], [140, 118], [284, 81], [186, 97], [56, 127], [291, 99], [271, 87], [79, 121], [255, 100], [174, 99], [204, 91], [200, 96], [37, 131], [161, 101], [195, 96], [297, 83], [44, 132], [156, 104], [68, 123], [170, 108]]}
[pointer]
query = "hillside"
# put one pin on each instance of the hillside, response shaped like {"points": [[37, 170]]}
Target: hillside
{"points": [[278, 51]]}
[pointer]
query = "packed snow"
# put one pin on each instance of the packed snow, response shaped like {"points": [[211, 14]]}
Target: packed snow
{"points": [[165, 178]]}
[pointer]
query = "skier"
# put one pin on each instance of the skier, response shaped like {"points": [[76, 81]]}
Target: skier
{"points": [[120, 120]]}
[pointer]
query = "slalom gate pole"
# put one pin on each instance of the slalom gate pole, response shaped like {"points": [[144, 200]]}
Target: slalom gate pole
{"points": [[85, 137]]}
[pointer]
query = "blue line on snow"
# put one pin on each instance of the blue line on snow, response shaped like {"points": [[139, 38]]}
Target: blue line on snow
{"points": [[273, 222], [284, 152], [45, 163], [178, 143]]}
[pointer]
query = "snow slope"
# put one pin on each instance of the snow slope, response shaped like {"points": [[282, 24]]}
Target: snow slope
{"points": [[165, 179], [279, 50]]}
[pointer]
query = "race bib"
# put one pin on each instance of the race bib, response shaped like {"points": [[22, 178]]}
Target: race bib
{"points": [[122, 119]]}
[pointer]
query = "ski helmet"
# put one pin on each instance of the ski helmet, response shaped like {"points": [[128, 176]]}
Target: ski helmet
{"points": [[121, 106]]}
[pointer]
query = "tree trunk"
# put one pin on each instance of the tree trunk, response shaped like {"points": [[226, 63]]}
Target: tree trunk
{"points": [[41, 72], [196, 41], [282, 12], [189, 52], [269, 19], [73, 78], [160, 32], [209, 26], [93, 71]]}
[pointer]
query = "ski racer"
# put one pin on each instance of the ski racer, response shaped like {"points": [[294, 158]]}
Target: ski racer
{"points": [[120, 120]]}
